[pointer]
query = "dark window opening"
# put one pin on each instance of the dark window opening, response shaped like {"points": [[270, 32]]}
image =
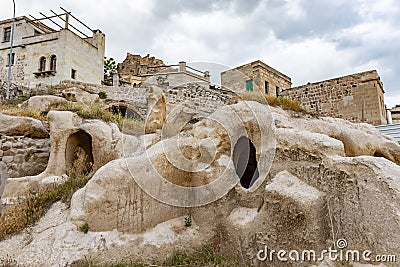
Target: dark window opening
{"points": [[125, 112], [266, 87], [42, 64], [73, 74], [277, 91], [249, 85], [12, 59], [245, 162], [7, 34], [78, 152], [53, 62]]}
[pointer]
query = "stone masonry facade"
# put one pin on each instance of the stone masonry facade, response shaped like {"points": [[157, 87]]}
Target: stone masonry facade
{"points": [[46, 56], [22, 156], [261, 77], [196, 97], [395, 114], [357, 97]]}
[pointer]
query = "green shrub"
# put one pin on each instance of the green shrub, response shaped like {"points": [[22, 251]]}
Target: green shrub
{"points": [[102, 95], [188, 220], [84, 228]]}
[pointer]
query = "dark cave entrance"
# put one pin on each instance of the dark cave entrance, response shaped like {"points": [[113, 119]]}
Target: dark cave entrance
{"points": [[78, 152], [245, 162]]}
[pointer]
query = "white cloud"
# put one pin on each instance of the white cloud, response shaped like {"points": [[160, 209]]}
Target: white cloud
{"points": [[309, 40]]}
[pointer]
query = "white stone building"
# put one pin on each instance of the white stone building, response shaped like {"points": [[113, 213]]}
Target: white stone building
{"points": [[43, 55]]}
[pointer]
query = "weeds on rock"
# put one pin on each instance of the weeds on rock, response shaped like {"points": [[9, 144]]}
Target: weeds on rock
{"points": [[188, 220], [14, 110], [84, 228], [102, 95], [280, 101], [31, 208], [205, 257]]}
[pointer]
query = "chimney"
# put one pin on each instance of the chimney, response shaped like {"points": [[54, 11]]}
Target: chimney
{"points": [[207, 75], [182, 66]]}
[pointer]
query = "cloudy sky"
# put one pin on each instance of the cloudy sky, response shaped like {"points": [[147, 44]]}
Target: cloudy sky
{"points": [[309, 40]]}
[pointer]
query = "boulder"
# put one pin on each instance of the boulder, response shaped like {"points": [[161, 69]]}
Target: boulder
{"points": [[101, 142], [311, 192], [156, 106], [43, 103], [22, 126], [76, 94]]}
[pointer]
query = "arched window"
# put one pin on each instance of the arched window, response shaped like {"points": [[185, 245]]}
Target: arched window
{"points": [[53, 62], [42, 64]]}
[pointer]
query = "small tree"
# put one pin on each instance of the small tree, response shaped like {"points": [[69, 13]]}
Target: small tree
{"points": [[110, 68]]}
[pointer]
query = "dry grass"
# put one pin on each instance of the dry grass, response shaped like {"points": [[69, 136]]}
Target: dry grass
{"points": [[15, 218], [205, 257], [97, 111], [93, 111], [14, 110], [284, 102]]}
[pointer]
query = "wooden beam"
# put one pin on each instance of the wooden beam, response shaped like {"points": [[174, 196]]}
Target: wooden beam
{"points": [[68, 24], [51, 20], [77, 19], [35, 19]]}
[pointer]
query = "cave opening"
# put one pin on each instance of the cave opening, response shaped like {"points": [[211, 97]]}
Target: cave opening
{"points": [[245, 162], [78, 152]]}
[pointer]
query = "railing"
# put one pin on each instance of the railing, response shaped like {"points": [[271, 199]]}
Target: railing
{"points": [[392, 130]]}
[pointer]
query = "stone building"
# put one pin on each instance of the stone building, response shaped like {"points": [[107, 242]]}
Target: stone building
{"points": [[254, 75], [136, 70], [43, 55], [357, 97], [395, 114]]}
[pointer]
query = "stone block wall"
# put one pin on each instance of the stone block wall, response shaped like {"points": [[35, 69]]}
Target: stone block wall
{"points": [[85, 56], [395, 114], [260, 73], [23, 156], [344, 97], [196, 97]]}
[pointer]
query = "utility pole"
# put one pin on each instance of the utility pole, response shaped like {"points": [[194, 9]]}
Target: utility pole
{"points": [[11, 56]]}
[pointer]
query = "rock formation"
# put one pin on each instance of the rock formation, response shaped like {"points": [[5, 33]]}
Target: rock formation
{"points": [[100, 141], [43, 103], [136, 65], [308, 183], [75, 94]]}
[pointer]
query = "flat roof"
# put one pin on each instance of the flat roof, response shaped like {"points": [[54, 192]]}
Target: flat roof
{"points": [[264, 65]]}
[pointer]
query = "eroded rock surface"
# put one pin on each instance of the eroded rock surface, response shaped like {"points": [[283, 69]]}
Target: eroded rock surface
{"points": [[329, 179]]}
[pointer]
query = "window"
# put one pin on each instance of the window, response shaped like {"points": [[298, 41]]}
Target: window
{"points": [[42, 64], [266, 85], [73, 74], [277, 91], [249, 85], [7, 34], [12, 59], [53, 62]]}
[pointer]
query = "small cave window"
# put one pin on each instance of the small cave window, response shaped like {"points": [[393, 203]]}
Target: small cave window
{"points": [[245, 162], [125, 112], [42, 64], [73, 74], [53, 62], [78, 152]]}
